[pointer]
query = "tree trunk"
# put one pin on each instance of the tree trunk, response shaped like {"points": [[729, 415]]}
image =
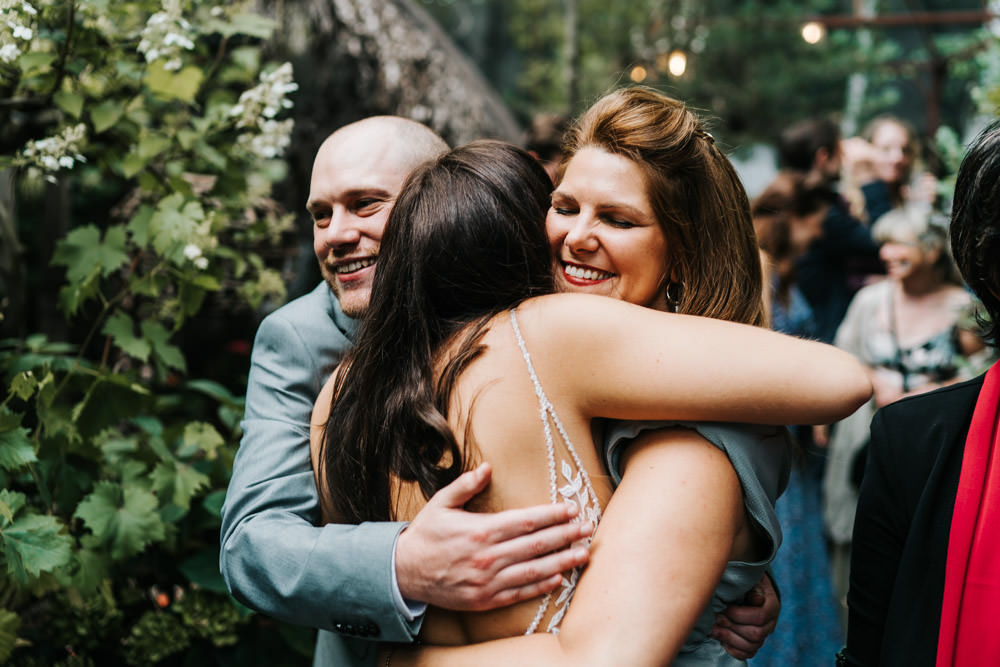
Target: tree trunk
{"points": [[359, 58]]}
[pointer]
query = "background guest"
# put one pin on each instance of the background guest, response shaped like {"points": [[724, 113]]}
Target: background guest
{"points": [[905, 329], [922, 592]]}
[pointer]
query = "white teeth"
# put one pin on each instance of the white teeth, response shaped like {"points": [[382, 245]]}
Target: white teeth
{"points": [[586, 274], [351, 267]]}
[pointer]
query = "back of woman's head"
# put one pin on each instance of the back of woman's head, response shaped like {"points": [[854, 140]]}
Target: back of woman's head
{"points": [[975, 223], [465, 240], [694, 192], [466, 237]]}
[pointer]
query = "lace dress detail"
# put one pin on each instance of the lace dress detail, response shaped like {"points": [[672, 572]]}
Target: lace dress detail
{"points": [[575, 489]]}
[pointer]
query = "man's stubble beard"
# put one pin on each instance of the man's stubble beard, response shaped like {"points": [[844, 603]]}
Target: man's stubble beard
{"points": [[351, 303]]}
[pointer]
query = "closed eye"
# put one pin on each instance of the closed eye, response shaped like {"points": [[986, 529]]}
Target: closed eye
{"points": [[618, 223]]}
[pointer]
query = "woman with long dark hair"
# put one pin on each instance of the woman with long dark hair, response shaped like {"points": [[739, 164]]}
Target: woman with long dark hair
{"points": [[463, 348]]}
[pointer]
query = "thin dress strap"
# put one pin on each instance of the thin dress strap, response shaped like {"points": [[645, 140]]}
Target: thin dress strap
{"points": [[577, 488]]}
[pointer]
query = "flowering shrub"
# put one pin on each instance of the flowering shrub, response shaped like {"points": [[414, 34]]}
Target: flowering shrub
{"points": [[113, 462]]}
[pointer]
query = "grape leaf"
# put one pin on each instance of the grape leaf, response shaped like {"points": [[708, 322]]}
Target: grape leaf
{"points": [[178, 482], [23, 385], [121, 329], [16, 449], [82, 250], [166, 353], [175, 223], [34, 544], [182, 85], [124, 518], [106, 114], [10, 623], [200, 436]]}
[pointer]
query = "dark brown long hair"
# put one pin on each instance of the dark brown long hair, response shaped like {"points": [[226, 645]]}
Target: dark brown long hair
{"points": [[975, 224], [695, 193], [464, 241]]}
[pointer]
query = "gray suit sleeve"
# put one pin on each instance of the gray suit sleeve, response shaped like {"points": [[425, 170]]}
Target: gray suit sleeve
{"points": [[274, 557]]}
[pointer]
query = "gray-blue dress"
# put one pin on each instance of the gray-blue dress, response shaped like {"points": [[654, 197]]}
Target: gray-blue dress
{"points": [[761, 456]]}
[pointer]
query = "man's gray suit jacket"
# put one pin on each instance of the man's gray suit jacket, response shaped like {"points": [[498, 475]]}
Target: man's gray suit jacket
{"points": [[274, 557]]}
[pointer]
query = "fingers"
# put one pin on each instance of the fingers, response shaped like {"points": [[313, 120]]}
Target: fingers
{"points": [[754, 597], [740, 641], [464, 488], [528, 579], [743, 615], [511, 524], [529, 549]]}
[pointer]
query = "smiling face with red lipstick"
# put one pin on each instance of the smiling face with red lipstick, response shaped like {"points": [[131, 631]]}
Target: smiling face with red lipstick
{"points": [[648, 210], [605, 238]]}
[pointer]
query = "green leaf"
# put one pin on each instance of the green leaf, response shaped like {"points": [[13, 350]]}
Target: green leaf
{"points": [[73, 295], [122, 331], [115, 445], [209, 154], [9, 420], [200, 436], [126, 519], [16, 450], [36, 62], [71, 103], [253, 25], [138, 226], [203, 569], [106, 114], [177, 482], [131, 165], [175, 223], [13, 501], [214, 390], [182, 85], [92, 570], [151, 145], [24, 385], [169, 355], [213, 502], [82, 250], [34, 544], [10, 623], [206, 281], [7, 512]]}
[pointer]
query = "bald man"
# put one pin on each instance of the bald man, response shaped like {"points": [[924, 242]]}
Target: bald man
{"points": [[370, 581]]}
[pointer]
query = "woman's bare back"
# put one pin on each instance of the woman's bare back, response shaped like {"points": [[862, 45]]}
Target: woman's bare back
{"points": [[496, 416]]}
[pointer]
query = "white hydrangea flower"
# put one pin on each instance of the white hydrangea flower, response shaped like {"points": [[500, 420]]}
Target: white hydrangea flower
{"points": [[9, 53], [192, 252], [15, 15], [166, 35], [61, 151], [267, 99], [271, 141]]}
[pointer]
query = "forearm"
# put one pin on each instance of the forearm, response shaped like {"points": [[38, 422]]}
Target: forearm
{"points": [[329, 578], [276, 560], [543, 650]]}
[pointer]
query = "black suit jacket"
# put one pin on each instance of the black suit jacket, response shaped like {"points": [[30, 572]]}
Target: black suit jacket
{"points": [[902, 525]]}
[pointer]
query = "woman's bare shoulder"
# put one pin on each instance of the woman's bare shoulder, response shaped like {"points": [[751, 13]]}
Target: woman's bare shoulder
{"points": [[321, 408]]}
